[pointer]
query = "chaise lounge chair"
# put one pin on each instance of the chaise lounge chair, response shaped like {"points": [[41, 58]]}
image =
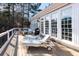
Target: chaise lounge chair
{"points": [[38, 41]]}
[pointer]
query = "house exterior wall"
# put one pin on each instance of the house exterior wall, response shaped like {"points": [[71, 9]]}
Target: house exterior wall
{"points": [[75, 23], [71, 10]]}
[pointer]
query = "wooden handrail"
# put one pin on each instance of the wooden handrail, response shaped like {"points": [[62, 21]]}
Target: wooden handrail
{"points": [[2, 49], [2, 34]]}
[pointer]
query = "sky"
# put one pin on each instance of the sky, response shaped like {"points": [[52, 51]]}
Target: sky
{"points": [[43, 5]]}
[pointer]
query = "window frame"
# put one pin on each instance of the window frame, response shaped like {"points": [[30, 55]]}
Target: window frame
{"points": [[54, 27], [66, 31]]}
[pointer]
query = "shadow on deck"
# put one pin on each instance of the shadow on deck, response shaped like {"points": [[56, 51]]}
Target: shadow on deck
{"points": [[40, 51], [12, 48]]}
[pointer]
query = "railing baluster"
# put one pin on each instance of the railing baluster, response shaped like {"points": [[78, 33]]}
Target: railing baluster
{"points": [[8, 36]]}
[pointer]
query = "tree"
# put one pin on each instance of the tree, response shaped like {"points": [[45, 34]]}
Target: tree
{"points": [[30, 8], [7, 13], [9, 17], [35, 8]]}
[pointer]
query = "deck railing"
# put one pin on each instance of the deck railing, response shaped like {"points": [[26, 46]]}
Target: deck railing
{"points": [[5, 39]]}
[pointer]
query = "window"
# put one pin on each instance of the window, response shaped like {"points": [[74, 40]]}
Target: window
{"points": [[67, 28], [42, 27], [46, 27], [54, 27]]}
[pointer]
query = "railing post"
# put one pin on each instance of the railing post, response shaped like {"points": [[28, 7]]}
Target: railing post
{"points": [[12, 32], [8, 36]]}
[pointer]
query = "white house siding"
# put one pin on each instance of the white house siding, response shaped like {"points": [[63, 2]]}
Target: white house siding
{"points": [[75, 23], [59, 33], [44, 24], [71, 10]]}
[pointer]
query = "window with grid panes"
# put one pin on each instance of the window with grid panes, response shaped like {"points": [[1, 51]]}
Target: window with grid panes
{"points": [[42, 27], [46, 27], [54, 27], [67, 28]]}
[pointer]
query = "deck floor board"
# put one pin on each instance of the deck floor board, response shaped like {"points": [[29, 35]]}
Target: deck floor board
{"points": [[17, 48]]}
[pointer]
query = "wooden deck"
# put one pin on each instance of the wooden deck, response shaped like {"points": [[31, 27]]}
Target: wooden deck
{"points": [[16, 48]]}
